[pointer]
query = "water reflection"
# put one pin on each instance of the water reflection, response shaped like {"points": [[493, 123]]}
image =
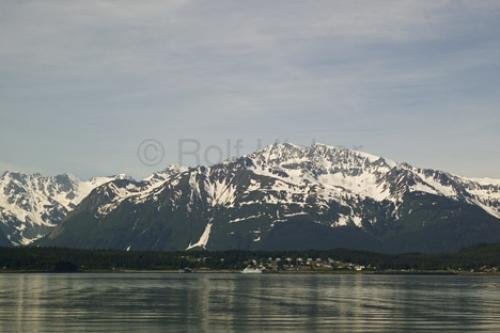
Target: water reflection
{"points": [[154, 302]]}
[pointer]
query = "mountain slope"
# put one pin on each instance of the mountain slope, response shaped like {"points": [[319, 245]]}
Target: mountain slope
{"points": [[289, 197]]}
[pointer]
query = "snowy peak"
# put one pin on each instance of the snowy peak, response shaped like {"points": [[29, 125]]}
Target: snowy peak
{"points": [[107, 197], [483, 193], [320, 159], [340, 171], [337, 170], [32, 204], [29, 191], [165, 174]]}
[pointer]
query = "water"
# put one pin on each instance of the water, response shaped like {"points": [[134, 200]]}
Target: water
{"points": [[172, 302]]}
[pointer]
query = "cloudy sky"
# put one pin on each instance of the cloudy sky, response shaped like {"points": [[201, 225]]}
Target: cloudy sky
{"points": [[83, 83]]}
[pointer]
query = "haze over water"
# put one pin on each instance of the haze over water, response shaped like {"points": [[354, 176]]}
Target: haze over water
{"points": [[158, 302]]}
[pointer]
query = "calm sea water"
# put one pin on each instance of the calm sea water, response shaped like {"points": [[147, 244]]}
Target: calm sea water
{"points": [[172, 302]]}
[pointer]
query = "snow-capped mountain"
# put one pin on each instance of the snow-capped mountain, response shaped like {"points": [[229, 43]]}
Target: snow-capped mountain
{"points": [[289, 197], [31, 204], [339, 172]]}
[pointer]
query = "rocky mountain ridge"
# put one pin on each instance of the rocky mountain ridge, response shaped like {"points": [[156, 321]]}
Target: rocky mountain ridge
{"points": [[289, 197]]}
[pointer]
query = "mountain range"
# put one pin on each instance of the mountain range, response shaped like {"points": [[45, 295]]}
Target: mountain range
{"points": [[282, 197]]}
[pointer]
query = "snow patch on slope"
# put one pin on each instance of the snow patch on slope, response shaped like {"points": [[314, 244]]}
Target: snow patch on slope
{"points": [[202, 242], [220, 192]]}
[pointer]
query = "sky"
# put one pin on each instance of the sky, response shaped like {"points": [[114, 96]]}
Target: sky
{"points": [[105, 87]]}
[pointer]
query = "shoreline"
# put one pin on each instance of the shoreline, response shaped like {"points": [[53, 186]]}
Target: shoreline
{"points": [[209, 271]]}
